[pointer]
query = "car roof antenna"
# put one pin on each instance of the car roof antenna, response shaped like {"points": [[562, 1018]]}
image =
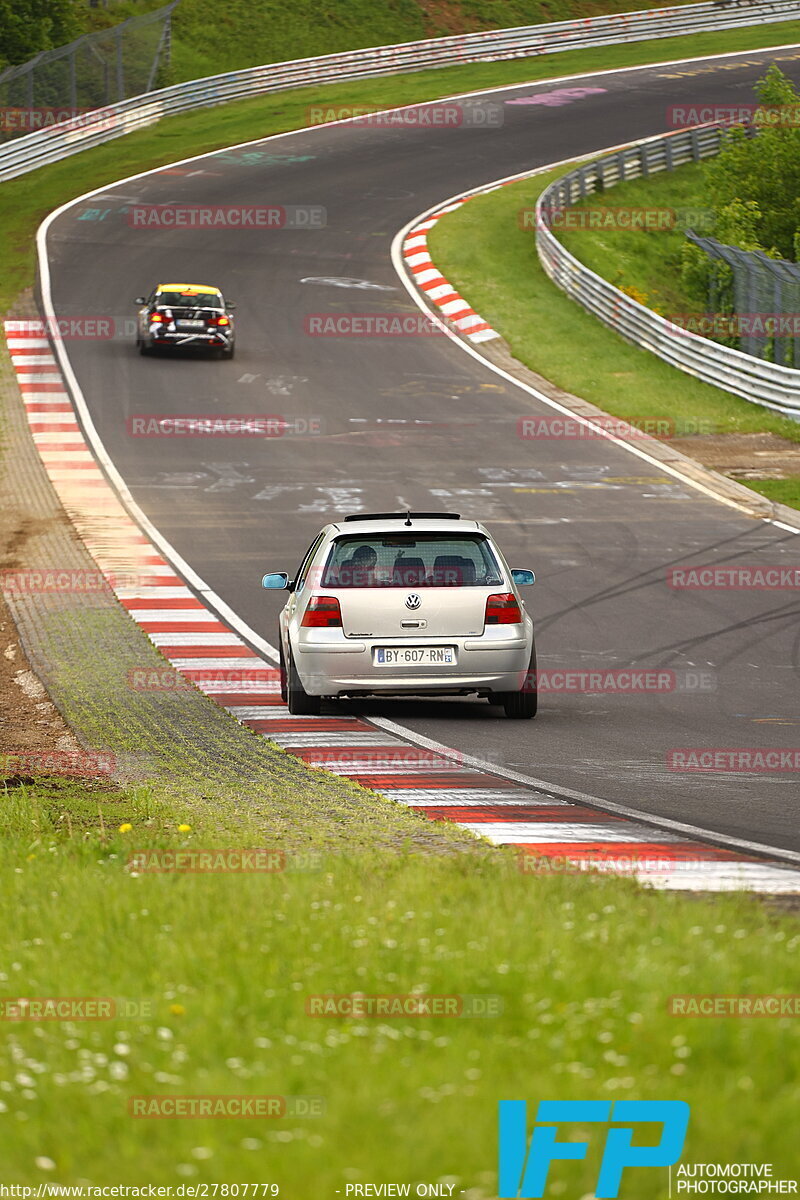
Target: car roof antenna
{"points": [[408, 517]]}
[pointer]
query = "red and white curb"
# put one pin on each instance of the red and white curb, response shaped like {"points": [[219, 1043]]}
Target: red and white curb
{"points": [[432, 283], [553, 835]]}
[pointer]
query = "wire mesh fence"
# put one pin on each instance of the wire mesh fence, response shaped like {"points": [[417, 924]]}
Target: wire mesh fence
{"points": [[757, 299], [59, 86]]}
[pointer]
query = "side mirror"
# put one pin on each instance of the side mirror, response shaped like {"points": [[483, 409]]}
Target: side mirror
{"points": [[522, 578], [140, 300], [230, 307], [277, 581]]}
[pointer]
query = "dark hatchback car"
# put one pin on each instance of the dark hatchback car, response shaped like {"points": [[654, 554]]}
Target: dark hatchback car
{"points": [[189, 315]]}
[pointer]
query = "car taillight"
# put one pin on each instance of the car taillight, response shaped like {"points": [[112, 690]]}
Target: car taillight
{"points": [[222, 321], [323, 612], [502, 609], [155, 318]]}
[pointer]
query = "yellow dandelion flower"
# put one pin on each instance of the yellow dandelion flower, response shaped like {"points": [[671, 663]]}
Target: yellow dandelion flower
{"points": [[177, 1010], [184, 829], [126, 828]]}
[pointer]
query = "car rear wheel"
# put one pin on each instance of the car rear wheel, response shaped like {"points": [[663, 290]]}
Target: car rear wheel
{"points": [[522, 705], [228, 353], [143, 347], [299, 702]]}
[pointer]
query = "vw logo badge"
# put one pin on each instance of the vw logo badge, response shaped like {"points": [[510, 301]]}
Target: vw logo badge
{"points": [[413, 601]]}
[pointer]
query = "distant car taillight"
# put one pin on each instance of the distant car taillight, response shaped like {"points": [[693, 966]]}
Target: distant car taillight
{"points": [[156, 318], [323, 612], [502, 609], [219, 321]]}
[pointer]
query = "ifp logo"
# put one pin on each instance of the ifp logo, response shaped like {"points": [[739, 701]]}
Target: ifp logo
{"points": [[523, 1170]]}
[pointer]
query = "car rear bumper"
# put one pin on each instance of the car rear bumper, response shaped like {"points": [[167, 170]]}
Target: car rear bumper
{"points": [[337, 668], [199, 339]]}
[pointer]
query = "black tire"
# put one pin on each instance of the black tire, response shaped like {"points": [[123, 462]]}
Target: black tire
{"points": [[299, 702], [282, 668], [229, 353], [144, 349], [522, 705]]}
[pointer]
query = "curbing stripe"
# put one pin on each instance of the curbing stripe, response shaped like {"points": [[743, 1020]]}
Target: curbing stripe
{"points": [[436, 288]]}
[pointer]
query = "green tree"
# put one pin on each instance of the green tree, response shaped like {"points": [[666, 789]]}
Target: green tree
{"points": [[30, 26], [753, 185]]}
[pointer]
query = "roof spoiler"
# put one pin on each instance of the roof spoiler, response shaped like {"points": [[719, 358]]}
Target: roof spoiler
{"points": [[396, 516]]}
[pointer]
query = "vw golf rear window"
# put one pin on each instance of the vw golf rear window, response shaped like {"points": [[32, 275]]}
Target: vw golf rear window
{"points": [[411, 561]]}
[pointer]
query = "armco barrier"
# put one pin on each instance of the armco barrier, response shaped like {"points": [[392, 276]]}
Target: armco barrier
{"points": [[769, 384], [46, 146]]}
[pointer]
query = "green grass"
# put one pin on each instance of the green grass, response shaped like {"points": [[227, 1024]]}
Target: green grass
{"points": [[646, 260], [781, 491], [221, 966]]}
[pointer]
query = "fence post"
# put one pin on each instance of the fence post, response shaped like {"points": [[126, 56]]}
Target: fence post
{"points": [[73, 82], [644, 162], [120, 69]]}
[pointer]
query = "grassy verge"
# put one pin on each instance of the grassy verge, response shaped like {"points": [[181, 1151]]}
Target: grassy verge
{"points": [[484, 252], [782, 491], [216, 970], [648, 261], [24, 202]]}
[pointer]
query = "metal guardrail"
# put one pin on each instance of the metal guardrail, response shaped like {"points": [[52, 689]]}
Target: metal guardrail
{"points": [[47, 146], [769, 384]]}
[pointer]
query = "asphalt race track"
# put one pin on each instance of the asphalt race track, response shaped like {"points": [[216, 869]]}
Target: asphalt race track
{"points": [[417, 422]]}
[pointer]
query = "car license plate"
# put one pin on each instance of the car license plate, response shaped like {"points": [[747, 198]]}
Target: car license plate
{"points": [[191, 324], [414, 656]]}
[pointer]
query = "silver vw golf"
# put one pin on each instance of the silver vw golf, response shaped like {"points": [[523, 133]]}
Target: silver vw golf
{"points": [[405, 604]]}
